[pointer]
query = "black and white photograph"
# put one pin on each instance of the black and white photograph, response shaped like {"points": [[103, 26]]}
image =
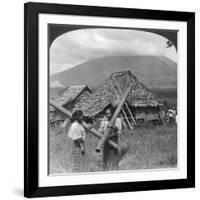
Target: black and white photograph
{"points": [[110, 100], [112, 96]]}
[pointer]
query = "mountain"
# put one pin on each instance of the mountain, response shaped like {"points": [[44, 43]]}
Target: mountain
{"points": [[153, 71]]}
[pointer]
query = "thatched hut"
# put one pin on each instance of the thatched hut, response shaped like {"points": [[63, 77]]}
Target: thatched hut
{"points": [[70, 97], [142, 103]]}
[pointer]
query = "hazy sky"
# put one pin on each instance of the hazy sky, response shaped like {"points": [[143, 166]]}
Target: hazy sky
{"points": [[76, 47]]}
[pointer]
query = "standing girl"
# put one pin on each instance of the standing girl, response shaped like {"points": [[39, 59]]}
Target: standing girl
{"points": [[77, 134], [110, 155]]}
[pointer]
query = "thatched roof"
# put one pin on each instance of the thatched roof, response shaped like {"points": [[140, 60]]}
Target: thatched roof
{"points": [[140, 95], [70, 94]]}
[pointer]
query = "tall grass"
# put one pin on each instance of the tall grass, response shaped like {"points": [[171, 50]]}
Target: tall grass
{"points": [[150, 148]]}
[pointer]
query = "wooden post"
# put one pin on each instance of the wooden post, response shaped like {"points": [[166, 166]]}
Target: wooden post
{"points": [[85, 125], [125, 102], [122, 107], [112, 121]]}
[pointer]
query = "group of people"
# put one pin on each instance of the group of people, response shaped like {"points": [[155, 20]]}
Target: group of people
{"points": [[77, 134], [171, 116]]}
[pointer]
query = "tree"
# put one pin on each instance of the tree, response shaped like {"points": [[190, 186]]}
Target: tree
{"points": [[169, 44]]}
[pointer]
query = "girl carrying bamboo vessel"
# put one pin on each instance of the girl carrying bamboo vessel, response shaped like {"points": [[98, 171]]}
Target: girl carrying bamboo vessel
{"points": [[77, 134]]}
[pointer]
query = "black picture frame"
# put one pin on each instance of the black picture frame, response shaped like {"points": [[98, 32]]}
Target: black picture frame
{"points": [[31, 12]]}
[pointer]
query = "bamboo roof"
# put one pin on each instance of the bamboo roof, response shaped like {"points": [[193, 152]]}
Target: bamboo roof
{"points": [[70, 94], [111, 91]]}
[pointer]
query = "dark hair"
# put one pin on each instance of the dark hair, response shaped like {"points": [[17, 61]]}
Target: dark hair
{"points": [[88, 120], [111, 109], [76, 116]]}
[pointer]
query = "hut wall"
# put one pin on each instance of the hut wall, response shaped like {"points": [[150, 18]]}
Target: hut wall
{"points": [[147, 113], [59, 116], [51, 115]]}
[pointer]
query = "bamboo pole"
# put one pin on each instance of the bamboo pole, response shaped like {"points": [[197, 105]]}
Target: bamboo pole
{"points": [[112, 121], [125, 102], [122, 107], [85, 125]]}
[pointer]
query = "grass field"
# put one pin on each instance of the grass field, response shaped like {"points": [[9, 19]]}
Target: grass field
{"points": [[150, 148]]}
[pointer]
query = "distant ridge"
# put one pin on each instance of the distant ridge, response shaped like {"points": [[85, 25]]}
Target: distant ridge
{"points": [[154, 71]]}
